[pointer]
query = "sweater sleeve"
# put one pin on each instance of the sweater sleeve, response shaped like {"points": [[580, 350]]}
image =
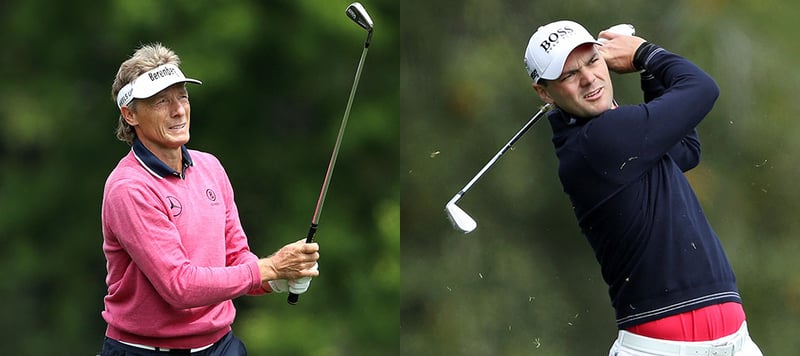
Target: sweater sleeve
{"points": [[625, 142], [685, 153], [651, 88], [139, 221]]}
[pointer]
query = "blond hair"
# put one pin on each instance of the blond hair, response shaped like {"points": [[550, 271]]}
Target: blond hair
{"points": [[145, 58]]}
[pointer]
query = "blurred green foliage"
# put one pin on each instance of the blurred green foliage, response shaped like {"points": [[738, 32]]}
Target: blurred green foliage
{"points": [[276, 76], [526, 282]]}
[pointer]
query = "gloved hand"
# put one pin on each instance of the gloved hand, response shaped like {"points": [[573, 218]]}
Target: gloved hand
{"points": [[621, 29], [619, 48], [300, 285], [279, 285]]}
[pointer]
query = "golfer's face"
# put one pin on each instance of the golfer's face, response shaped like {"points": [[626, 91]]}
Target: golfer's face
{"points": [[163, 119], [584, 88]]}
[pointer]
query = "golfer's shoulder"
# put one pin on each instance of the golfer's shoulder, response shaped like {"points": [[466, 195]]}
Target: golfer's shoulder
{"points": [[125, 181], [128, 168]]}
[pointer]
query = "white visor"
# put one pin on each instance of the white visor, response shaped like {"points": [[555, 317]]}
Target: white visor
{"points": [[152, 82]]}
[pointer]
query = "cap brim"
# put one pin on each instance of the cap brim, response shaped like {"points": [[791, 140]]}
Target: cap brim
{"points": [[557, 66], [150, 90]]}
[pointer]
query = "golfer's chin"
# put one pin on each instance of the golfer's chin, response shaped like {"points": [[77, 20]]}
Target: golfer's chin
{"points": [[587, 111], [597, 107], [179, 138], [175, 142]]}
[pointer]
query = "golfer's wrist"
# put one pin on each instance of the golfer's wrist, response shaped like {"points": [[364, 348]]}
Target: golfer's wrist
{"points": [[642, 55], [266, 269]]}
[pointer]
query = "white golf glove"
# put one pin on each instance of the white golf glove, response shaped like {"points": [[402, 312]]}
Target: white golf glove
{"points": [[300, 285], [621, 29], [279, 285]]}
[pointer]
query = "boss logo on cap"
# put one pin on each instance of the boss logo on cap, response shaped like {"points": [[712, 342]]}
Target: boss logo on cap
{"points": [[552, 39]]}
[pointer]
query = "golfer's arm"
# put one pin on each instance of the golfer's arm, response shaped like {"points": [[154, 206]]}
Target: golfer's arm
{"points": [[686, 153]]}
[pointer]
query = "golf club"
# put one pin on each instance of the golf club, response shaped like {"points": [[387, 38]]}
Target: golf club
{"points": [[357, 13], [460, 219]]}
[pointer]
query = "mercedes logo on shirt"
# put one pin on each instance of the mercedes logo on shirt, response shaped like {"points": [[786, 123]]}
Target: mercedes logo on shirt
{"points": [[174, 206]]}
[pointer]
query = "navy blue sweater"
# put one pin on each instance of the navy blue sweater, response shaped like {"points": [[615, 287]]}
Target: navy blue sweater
{"points": [[623, 171]]}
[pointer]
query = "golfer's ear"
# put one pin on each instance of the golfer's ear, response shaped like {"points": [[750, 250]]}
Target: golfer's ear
{"points": [[543, 94], [127, 114]]}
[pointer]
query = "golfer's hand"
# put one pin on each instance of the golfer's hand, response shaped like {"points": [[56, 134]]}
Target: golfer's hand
{"points": [[300, 285], [618, 51], [293, 261], [296, 286], [278, 286]]}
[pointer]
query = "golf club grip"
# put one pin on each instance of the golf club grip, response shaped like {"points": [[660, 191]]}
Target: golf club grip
{"points": [[292, 299]]}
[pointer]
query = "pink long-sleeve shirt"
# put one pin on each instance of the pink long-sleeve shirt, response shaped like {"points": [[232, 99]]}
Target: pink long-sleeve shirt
{"points": [[175, 249]]}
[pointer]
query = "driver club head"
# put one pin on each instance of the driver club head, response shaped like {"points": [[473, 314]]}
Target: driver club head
{"points": [[357, 13], [460, 219]]}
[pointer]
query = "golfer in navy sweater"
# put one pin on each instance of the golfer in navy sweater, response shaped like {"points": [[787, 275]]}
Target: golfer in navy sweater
{"points": [[622, 167]]}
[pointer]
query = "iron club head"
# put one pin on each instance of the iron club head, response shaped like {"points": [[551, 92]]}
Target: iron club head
{"points": [[460, 219], [357, 13]]}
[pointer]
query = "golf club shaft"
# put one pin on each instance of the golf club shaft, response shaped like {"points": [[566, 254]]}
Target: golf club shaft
{"points": [[326, 182], [502, 151]]}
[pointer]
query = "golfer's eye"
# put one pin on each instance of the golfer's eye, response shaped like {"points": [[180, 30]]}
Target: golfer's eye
{"points": [[160, 103]]}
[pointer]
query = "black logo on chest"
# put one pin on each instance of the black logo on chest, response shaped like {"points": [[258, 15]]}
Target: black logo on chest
{"points": [[175, 206]]}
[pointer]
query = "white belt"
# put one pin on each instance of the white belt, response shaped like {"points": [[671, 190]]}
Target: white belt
{"points": [[154, 348], [726, 346]]}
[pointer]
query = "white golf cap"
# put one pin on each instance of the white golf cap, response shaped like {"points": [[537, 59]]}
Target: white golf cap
{"points": [[152, 82], [550, 46]]}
